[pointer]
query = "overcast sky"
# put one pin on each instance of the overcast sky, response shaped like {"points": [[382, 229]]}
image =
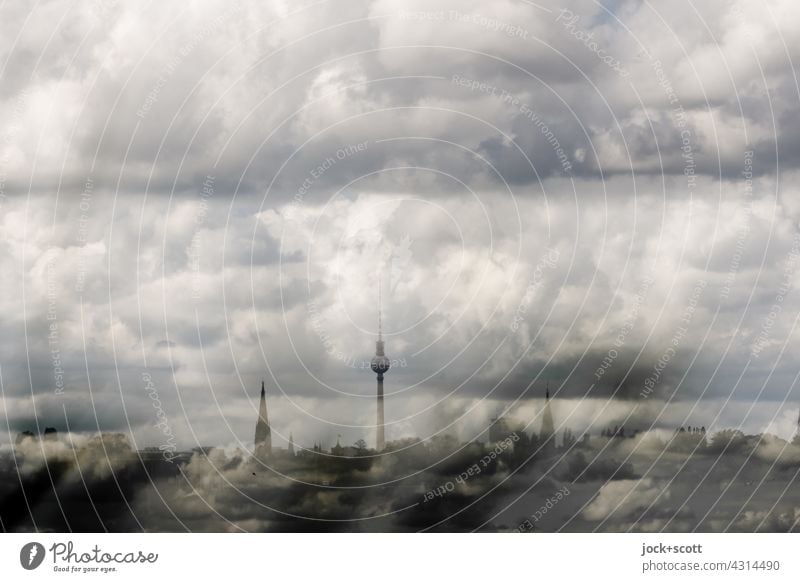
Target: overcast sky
{"points": [[199, 196]]}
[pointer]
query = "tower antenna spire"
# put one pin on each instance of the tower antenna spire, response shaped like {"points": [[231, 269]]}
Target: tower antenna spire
{"points": [[380, 307]]}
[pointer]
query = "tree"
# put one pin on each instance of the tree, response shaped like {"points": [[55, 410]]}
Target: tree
{"points": [[360, 444]]}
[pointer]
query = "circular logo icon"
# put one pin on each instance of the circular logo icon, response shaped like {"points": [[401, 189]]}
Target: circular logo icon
{"points": [[31, 555]]}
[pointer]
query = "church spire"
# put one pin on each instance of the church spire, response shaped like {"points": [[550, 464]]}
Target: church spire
{"points": [[547, 434], [263, 438]]}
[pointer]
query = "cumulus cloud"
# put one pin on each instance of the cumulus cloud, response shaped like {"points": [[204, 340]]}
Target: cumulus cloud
{"points": [[622, 498], [205, 196]]}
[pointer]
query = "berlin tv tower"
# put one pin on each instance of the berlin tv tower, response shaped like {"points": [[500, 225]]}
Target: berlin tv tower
{"points": [[380, 365]]}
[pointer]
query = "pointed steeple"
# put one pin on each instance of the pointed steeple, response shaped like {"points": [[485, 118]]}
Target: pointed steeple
{"points": [[263, 438], [291, 444], [547, 434]]}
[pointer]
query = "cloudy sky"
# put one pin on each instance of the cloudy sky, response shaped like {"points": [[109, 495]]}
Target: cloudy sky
{"points": [[598, 195]]}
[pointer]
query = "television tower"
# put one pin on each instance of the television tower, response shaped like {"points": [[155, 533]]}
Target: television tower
{"points": [[380, 365]]}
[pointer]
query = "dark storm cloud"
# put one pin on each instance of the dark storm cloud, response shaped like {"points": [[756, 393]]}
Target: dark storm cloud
{"points": [[724, 481]]}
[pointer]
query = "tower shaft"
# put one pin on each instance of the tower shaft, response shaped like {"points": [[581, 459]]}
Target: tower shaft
{"points": [[380, 440]]}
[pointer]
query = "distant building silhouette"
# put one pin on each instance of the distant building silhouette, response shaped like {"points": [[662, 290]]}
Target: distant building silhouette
{"points": [[25, 434], [568, 440], [499, 430], [263, 438], [340, 451], [619, 432], [547, 432], [49, 434]]}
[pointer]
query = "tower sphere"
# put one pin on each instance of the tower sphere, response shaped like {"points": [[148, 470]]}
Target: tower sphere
{"points": [[380, 364]]}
